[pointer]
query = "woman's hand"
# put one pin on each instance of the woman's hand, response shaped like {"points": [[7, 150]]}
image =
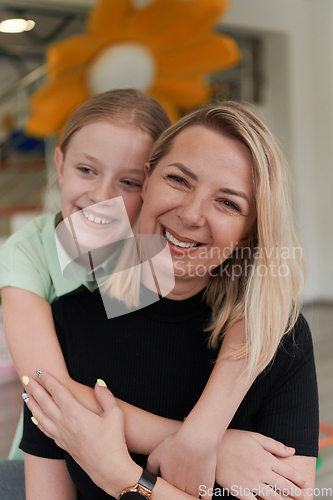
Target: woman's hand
{"points": [[250, 462], [186, 461], [91, 439]]}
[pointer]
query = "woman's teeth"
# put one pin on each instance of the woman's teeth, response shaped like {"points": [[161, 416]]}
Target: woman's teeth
{"points": [[177, 243], [96, 220]]}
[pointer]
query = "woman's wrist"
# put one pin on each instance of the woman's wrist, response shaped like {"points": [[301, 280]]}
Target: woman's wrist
{"points": [[126, 476]]}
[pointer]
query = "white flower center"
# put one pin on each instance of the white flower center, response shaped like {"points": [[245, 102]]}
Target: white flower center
{"points": [[126, 65]]}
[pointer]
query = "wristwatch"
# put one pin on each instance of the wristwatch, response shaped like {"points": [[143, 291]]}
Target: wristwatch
{"points": [[142, 490]]}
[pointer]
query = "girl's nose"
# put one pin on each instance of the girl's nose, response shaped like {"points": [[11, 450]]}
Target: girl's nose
{"points": [[102, 192], [191, 211]]}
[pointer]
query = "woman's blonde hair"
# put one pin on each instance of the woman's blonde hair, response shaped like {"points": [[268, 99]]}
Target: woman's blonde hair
{"points": [[262, 282]]}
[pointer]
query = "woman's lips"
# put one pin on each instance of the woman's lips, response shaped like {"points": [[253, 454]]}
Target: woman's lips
{"points": [[178, 244]]}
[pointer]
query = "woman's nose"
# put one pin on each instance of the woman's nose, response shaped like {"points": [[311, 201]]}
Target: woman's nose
{"points": [[191, 211]]}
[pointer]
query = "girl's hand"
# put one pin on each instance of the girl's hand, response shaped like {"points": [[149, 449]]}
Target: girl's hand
{"points": [[250, 462], [186, 461], [91, 439]]}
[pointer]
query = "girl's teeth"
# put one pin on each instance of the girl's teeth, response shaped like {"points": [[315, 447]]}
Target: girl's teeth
{"points": [[96, 220], [178, 243]]}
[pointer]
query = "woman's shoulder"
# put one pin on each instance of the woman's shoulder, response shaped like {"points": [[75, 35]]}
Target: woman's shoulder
{"points": [[78, 305], [300, 335], [296, 346]]}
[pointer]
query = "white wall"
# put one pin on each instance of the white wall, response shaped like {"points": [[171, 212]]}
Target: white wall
{"points": [[298, 105]]}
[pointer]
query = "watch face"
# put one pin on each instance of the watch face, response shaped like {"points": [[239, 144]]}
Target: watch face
{"points": [[133, 495]]}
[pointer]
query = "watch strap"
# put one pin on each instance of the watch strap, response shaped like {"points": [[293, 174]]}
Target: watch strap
{"points": [[143, 487], [147, 480]]}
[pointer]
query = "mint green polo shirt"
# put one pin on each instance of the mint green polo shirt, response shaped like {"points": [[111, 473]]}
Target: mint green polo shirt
{"points": [[29, 260]]}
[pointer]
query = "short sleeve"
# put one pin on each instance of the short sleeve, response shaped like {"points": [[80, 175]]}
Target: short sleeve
{"points": [[34, 442], [22, 265], [289, 412]]}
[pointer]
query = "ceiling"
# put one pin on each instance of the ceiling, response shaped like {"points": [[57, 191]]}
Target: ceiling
{"points": [[21, 53], [55, 20]]}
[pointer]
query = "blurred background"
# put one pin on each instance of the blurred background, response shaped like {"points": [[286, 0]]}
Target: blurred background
{"points": [[285, 71]]}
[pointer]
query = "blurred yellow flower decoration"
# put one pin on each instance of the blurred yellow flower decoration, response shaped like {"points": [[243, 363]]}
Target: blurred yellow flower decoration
{"points": [[164, 49]]}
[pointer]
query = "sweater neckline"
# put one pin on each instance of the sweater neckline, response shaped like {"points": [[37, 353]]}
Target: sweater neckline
{"points": [[175, 310]]}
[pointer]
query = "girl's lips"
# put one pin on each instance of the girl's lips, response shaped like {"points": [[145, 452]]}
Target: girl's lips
{"points": [[97, 219], [95, 225]]}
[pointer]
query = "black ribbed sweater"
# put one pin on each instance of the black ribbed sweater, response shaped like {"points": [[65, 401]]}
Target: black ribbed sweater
{"points": [[157, 359]]}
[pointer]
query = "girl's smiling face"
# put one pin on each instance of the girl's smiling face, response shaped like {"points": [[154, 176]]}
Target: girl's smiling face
{"points": [[102, 161], [200, 196]]}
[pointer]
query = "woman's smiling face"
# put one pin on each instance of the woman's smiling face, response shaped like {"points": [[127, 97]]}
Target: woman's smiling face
{"points": [[200, 196]]}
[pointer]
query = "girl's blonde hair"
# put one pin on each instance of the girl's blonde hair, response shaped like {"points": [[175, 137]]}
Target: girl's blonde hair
{"points": [[262, 282], [128, 108], [123, 107]]}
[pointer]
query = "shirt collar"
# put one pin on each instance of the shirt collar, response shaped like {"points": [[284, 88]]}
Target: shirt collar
{"points": [[61, 284]]}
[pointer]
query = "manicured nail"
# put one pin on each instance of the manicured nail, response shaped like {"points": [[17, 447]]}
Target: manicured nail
{"points": [[25, 380], [34, 421], [25, 397], [38, 373], [289, 448], [305, 484], [101, 382]]}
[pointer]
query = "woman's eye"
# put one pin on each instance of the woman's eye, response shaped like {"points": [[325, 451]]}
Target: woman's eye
{"points": [[176, 179], [230, 204]]}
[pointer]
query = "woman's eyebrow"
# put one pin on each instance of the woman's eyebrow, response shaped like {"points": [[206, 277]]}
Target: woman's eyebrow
{"points": [[193, 176], [185, 170], [235, 193]]}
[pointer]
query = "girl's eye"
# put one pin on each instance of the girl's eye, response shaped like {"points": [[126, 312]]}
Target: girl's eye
{"points": [[176, 180], [85, 170], [129, 183]]}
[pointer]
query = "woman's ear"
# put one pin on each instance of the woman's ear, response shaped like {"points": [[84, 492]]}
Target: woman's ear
{"points": [[144, 186], [59, 161]]}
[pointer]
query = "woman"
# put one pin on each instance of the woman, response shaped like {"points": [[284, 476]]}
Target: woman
{"points": [[216, 190]]}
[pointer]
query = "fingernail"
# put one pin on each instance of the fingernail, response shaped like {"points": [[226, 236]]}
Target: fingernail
{"points": [[38, 373], [305, 484], [33, 420], [288, 448], [25, 397], [25, 380], [101, 382]]}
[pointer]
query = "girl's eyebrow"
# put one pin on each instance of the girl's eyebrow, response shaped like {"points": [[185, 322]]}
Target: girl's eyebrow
{"points": [[92, 158], [89, 157], [193, 176]]}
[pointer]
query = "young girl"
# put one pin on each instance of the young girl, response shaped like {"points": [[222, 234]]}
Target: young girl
{"points": [[216, 181], [101, 155]]}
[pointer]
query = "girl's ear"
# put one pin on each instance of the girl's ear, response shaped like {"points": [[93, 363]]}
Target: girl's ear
{"points": [[59, 161], [144, 187]]}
